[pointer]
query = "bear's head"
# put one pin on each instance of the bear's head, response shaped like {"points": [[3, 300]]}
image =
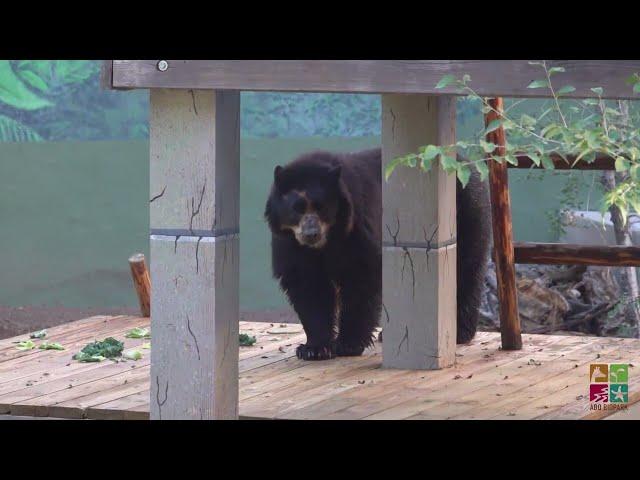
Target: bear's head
{"points": [[309, 200]]}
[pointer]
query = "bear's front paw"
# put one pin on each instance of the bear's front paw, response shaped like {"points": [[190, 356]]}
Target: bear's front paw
{"points": [[306, 352], [344, 350]]}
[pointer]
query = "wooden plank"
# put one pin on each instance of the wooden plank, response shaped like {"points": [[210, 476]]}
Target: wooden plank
{"points": [[106, 74], [508, 78], [601, 162], [419, 253], [502, 234], [194, 215], [571, 254]]}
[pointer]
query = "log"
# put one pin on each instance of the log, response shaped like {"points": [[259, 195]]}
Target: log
{"points": [[570, 254], [503, 235], [141, 282], [601, 162]]}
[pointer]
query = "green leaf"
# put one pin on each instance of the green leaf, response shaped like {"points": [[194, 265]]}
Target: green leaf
{"points": [[538, 84], [430, 152], [463, 173], [535, 158], [146, 346], [34, 80], [622, 165], [547, 162], [13, 131], [446, 81], [493, 125], [15, 93], [553, 70], [391, 166], [138, 333], [108, 348], [133, 354], [86, 357], [511, 159], [449, 163], [482, 169], [39, 334], [50, 346], [636, 88], [26, 345], [597, 90], [488, 147], [566, 89], [246, 340]]}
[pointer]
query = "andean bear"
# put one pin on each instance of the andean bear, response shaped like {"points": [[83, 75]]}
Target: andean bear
{"points": [[324, 212]]}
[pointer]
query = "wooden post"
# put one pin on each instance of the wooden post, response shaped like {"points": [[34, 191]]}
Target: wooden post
{"points": [[503, 235], [141, 282], [419, 237], [194, 213]]}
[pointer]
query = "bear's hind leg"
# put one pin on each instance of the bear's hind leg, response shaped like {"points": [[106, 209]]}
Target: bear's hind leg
{"points": [[313, 299]]}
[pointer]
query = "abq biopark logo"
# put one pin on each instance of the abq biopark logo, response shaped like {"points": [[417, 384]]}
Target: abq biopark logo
{"points": [[609, 385]]}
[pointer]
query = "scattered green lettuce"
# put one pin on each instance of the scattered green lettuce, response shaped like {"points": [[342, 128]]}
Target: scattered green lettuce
{"points": [[26, 345], [98, 351], [133, 355], [246, 340], [146, 346], [138, 333], [50, 346], [39, 334], [85, 357]]}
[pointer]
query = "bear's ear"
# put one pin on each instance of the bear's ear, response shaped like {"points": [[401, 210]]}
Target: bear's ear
{"points": [[334, 173], [276, 176]]}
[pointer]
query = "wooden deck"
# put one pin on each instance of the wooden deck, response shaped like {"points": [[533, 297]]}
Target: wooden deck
{"points": [[548, 379]]}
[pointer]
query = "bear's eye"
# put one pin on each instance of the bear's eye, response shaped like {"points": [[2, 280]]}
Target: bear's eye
{"points": [[299, 205]]}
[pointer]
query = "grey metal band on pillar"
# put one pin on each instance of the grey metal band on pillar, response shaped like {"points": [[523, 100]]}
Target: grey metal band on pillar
{"points": [[185, 232], [426, 245]]}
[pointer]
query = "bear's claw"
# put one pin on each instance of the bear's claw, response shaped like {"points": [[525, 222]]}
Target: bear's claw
{"points": [[305, 352]]}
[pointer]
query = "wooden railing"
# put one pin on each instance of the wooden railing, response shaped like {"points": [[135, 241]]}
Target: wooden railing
{"points": [[507, 254]]}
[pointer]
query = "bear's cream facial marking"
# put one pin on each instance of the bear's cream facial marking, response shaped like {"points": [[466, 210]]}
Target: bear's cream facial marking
{"points": [[309, 229]]}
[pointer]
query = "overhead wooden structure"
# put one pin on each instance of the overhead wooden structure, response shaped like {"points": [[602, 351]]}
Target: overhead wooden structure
{"points": [[194, 154]]}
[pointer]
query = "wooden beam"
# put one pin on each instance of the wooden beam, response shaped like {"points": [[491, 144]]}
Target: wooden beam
{"points": [[419, 244], [503, 235], [570, 254], [508, 78], [141, 282], [106, 74], [194, 148], [601, 162]]}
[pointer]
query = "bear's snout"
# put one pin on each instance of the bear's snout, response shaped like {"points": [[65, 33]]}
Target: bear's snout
{"points": [[310, 230]]}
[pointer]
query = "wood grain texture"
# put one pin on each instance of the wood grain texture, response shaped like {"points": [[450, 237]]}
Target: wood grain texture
{"points": [[503, 235], [489, 77], [419, 270], [106, 74], [141, 282], [570, 254], [419, 207], [418, 319], [547, 379], [194, 359], [194, 143]]}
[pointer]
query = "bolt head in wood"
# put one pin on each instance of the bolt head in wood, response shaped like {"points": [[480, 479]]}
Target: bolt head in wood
{"points": [[163, 65]]}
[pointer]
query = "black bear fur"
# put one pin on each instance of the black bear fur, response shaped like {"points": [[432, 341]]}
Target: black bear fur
{"points": [[335, 284]]}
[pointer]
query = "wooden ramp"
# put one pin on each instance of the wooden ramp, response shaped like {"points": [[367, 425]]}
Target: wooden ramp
{"points": [[547, 379]]}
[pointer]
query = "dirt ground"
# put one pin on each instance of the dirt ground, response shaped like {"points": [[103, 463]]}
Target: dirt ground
{"points": [[19, 320]]}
